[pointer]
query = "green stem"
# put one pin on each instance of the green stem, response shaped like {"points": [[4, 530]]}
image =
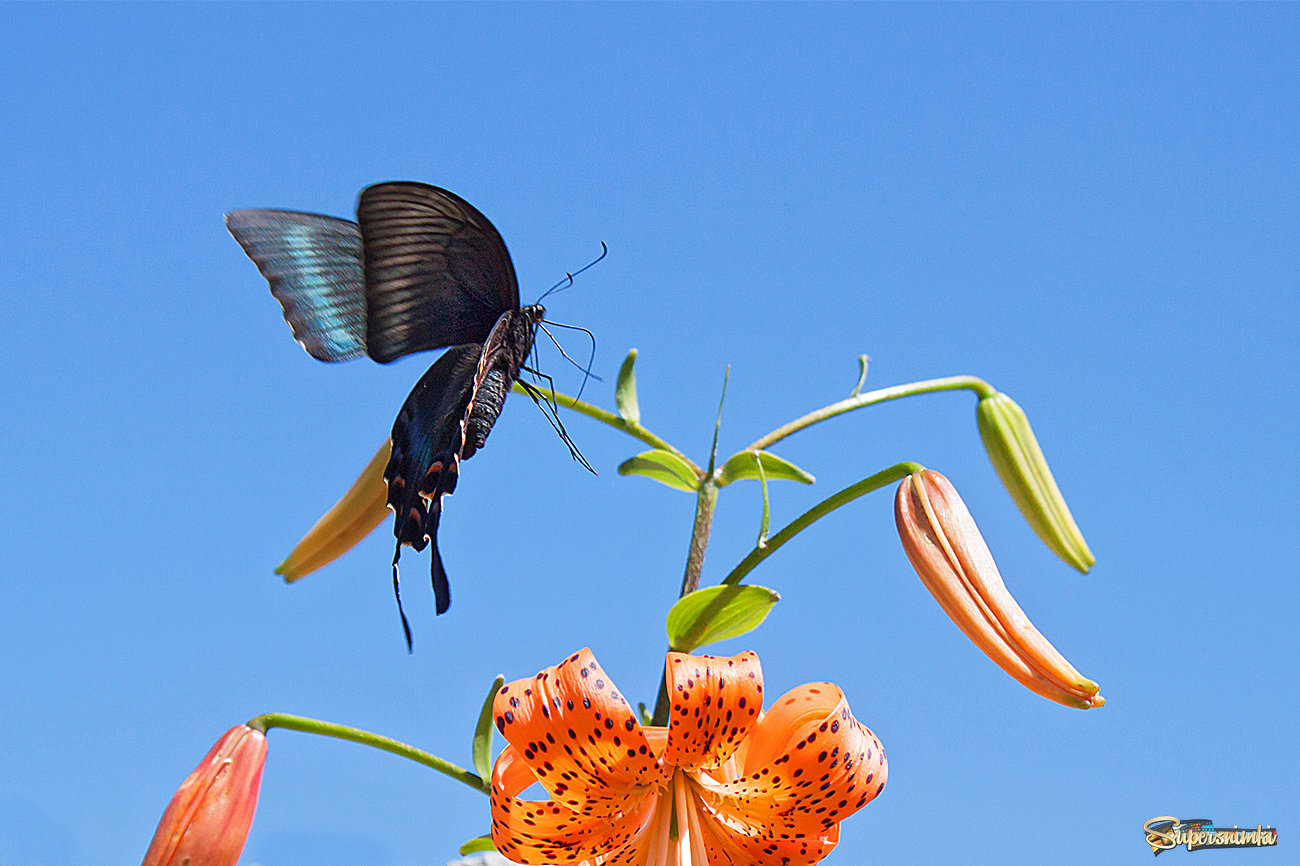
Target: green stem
{"points": [[631, 428], [818, 511], [705, 502], [951, 383], [267, 721]]}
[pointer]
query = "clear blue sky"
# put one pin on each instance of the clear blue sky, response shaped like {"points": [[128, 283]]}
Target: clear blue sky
{"points": [[1093, 207]]}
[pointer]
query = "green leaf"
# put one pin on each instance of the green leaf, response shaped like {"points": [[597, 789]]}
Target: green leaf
{"points": [[478, 843], [646, 718], [625, 391], [863, 360], [717, 613], [717, 427], [664, 467], [482, 748], [765, 523], [741, 466]]}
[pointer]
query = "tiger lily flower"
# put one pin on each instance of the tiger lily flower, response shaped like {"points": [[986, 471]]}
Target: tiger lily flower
{"points": [[724, 784], [208, 819], [952, 560]]}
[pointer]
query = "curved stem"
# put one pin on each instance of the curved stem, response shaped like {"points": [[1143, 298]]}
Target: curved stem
{"points": [[950, 383], [818, 511], [266, 721], [631, 428]]}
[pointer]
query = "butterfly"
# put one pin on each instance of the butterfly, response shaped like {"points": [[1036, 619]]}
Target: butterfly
{"points": [[420, 269]]}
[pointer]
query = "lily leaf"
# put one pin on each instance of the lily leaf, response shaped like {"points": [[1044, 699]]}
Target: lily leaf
{"points": [[863, 360], [741, 465], [766, 522], [717, 613], [664, 467], [478, 843], [625, 391], [482, 748]]}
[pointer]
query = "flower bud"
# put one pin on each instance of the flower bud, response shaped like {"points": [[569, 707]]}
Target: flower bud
{"points": [[352, 518], [1020, 463], [208, 819], [948, 552]]}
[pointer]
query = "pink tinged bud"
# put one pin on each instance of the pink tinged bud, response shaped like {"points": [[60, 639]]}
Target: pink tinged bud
{"points": [[208, 819], [948, 552]]}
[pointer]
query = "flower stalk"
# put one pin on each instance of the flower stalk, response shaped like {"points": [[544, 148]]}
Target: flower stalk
{"points": [[307, 725]]}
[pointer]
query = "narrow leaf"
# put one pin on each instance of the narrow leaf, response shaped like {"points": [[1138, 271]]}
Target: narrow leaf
{"points": [[625, 391], [717, 613], [644, 713], [664, 467], [482, 748], [717, 427], [478, 843], [741, 466], [863, 360], [767, 512]]}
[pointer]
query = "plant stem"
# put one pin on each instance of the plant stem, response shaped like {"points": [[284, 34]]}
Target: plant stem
{"points": [[951, 383], [631, 428], [705, 502], [267, 721], [818, 511]]}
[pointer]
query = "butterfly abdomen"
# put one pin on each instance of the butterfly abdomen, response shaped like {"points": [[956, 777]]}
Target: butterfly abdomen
{"points": [[485, 411]]}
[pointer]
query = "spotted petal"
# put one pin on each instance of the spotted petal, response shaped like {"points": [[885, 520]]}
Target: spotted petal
{"points": [[579, 736], [809, 765], [715, 703], [542, 832]]}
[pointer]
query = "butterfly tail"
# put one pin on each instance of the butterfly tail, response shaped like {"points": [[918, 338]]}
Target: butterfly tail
{"points": [[397, 593], [441, 587]]}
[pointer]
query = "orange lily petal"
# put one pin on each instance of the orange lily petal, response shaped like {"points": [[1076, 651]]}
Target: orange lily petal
{"points": [[809, 765], [579, 737], [715, 703], [542, 832]]}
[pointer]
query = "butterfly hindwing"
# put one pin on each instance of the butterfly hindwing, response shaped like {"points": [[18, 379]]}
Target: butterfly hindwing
{"points": [[314, 266], [425, 464], [437, 272]]}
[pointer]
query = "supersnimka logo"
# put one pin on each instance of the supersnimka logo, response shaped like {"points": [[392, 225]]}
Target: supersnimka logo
{"points": [[1166, 832]]}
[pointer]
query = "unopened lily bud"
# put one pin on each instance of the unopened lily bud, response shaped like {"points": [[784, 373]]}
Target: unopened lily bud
{"points": [[952, 560], [352, 518], [1020, 463], [208, 819]]}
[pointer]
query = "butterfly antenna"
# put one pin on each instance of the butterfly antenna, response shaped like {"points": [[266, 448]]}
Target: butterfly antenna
{"points": [[545, 403], [568, 278], [558, 287], [586, 371], [397, 593]]}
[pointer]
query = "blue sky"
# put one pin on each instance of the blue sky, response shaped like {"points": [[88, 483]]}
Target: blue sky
{"points": [[1092, 207]]}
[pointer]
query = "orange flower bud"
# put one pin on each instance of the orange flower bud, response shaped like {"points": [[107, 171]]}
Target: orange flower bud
{"points": [[952, 560], [208, 819]]}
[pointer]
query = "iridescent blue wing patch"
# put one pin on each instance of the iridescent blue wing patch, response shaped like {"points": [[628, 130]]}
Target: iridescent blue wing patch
{"points": [[437, 272], [314, 265]]}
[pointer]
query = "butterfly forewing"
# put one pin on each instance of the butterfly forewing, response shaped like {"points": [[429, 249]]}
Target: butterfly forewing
{"points": [[437, 272], [314, 266]]}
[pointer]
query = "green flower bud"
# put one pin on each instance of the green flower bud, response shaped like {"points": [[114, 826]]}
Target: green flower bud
{"points": [[1020, 463]]}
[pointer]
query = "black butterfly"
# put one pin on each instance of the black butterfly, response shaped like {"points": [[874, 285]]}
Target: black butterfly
{"points": [[420, 269]]}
